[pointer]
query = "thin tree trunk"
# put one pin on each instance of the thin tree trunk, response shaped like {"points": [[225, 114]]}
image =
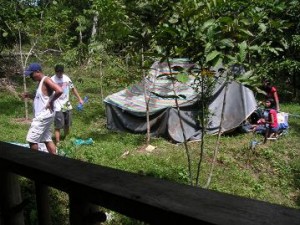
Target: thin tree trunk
{"points": [[182, 128], [101, 81], [95, 23], [24, 78], [202, 141], [203, 123], [218, 139], [147, 101]]}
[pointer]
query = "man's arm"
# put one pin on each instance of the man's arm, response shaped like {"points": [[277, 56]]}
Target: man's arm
{"points": [[27, 95], [57, 92], [276, 100], [75, 92]]}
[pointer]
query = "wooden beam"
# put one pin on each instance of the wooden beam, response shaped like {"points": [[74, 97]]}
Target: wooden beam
{"points": [[84, 213], [11, 208], [42, 203], [152, 200]]}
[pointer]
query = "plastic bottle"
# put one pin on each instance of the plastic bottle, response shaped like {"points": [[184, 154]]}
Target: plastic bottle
{"points": [[80, 106]]}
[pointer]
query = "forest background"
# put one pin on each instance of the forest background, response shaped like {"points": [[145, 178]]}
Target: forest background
{"points": [[107, 45]]}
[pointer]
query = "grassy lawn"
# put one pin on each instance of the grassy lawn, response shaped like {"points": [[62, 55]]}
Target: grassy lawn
{"points": [[270, 173]]}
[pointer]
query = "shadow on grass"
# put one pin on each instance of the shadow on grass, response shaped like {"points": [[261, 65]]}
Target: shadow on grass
{"points": [[235, 132], [295, 126], [297, 185], [110, 136], [95, 90], [91, 110], [295, 164]]}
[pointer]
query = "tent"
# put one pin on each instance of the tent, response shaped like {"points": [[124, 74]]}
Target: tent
{"points": [[126, 109]]}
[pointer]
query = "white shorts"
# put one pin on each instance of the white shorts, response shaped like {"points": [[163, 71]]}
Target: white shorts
{"points": [[40, 129]]}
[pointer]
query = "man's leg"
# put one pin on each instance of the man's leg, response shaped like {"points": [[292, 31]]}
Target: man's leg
{"points": [[34, 146], [47, 135], [68, 122], [57, 136], [267, 134], [58, 125], [51, 147], [66, 131], [32, 136]]}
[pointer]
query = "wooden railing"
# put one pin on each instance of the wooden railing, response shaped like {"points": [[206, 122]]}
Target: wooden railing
{"points": [[152, 200]]}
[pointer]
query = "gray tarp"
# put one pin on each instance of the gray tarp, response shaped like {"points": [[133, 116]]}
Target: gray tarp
{"points": [[126, 110]]}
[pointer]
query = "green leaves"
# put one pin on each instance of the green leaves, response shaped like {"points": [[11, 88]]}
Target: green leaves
{"points": [[226, 43], [262, 27], [212, 55], [208, 24], [242, 51], [182, 77], [208, 32], [4, 34]]}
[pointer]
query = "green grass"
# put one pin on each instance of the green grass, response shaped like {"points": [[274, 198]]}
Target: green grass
{"points": [[271, 173]]}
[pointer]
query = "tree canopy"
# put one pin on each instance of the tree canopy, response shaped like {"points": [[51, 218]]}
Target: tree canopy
{"points": [[261, 36]]}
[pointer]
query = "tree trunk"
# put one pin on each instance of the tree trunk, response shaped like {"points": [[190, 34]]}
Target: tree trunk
{"points": [[95, 23]]}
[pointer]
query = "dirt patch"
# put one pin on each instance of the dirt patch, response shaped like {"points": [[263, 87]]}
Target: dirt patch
{"points": [[141, 149]]}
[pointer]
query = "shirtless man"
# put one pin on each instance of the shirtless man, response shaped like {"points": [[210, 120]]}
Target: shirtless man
{"points": [[43, 103]]}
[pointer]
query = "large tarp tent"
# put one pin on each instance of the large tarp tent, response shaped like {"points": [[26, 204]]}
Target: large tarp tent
{"points": [[126, 109]]}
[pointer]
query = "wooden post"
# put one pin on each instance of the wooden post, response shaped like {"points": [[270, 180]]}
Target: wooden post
{"points": [[42, 202], [11, 209], [84, 213]]}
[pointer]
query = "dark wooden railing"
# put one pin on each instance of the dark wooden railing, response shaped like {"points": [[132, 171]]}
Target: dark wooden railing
{"points": [[152, 200]]}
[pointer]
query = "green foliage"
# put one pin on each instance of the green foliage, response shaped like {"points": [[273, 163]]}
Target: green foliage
{"points": [[295, 165], [255, 34], [259, 36], [271, 173], [8, 16]]}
